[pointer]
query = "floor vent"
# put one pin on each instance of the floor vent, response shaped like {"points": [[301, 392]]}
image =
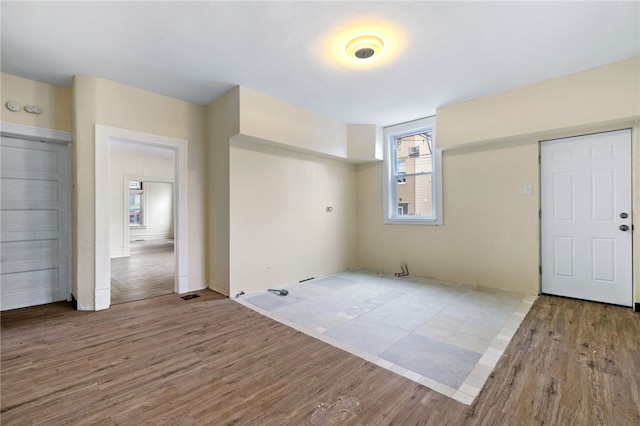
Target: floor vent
{"points": [[189, 296]]}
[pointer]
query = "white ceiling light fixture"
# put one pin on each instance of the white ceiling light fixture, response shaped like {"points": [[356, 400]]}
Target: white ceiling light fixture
{"points": [[364, 47]]}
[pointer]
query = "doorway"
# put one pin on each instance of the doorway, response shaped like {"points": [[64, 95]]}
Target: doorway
{"points": [[106, 137], [141, 221], [586, 223]]}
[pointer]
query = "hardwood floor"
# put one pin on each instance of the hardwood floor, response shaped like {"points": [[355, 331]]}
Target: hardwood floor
{"points": [[149, 271], [211, 361]]}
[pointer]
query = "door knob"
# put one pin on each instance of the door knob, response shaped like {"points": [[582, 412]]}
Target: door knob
{"points": [[624, 215], [624, 228]]}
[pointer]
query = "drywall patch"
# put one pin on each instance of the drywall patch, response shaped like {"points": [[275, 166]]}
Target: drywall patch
{"points": [[338, 412]]}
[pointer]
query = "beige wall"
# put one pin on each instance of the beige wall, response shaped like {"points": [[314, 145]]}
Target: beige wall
{"points": [[270, 119], [84, 107], [280, 231], [584, 101], [490, 235], [221, 123], [262, 148], [98, 101], [55, 103], [364, 142], [490, 231]]}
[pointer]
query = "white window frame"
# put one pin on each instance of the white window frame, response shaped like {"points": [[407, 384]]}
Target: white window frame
{"points": [[391, 133], [143, 222]]}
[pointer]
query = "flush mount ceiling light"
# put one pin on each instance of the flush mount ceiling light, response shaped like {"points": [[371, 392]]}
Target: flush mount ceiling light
{"points": [[364, 47]]}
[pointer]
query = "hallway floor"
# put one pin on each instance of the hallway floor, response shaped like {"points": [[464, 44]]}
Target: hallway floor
{"points": [[448, 337], [149, 271]]}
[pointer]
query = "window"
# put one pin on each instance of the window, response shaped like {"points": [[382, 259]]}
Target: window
{"points": [[136, 203], [401, 168], [412, 174]]}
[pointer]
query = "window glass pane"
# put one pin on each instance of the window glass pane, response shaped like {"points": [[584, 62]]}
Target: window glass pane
{"points": [[135, 184], [414, 152], [402, 167], [135, 201], [415, 196]]}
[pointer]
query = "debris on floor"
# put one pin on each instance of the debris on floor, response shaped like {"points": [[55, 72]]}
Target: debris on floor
{"points": [[405, 270], [338, 412]]}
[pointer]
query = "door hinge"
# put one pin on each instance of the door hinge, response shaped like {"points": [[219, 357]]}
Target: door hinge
{"points": [[540, 269]]}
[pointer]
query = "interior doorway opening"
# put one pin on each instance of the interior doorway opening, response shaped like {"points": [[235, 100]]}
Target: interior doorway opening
{"points": [[141, 221], [124, 149]]}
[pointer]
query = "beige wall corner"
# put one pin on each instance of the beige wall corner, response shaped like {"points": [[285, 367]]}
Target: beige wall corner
{"points": [[84, 106], [293, 216], [270, 119], [364, 142], [222, 122], [53, 101]]}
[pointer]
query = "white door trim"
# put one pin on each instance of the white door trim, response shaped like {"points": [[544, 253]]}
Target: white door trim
{"points": [[38, 133], [51, 136], [104, 135]]}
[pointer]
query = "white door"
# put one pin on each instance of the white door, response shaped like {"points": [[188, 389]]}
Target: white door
{"points": [[35, 223], [586, 217]]}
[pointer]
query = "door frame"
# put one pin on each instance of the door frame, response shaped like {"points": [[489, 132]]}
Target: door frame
{"points": [[634, 127], [60, 137], [103, 137]]}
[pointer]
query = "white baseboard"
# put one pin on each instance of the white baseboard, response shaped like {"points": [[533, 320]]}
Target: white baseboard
{"points": [[119, 252], [151, 236]]}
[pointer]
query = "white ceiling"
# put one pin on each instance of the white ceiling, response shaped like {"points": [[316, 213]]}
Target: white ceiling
{"points": [[195, 51]]}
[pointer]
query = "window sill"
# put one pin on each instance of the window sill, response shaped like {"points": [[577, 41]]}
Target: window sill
{"points": [[412, 221]]}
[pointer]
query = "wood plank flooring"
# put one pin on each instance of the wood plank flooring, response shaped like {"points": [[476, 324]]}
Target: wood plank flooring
{"points": [[149, 271], [211, 361]]}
